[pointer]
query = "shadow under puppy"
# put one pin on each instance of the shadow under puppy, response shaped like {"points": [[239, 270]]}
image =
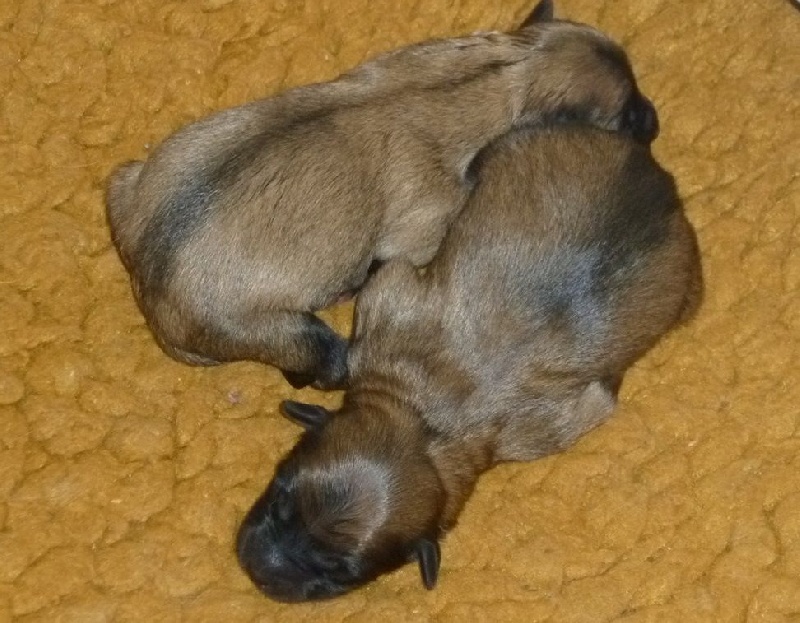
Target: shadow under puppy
{"points": [[241, 225], [571, 259]]}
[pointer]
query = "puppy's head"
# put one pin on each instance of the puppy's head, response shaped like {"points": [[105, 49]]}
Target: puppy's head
{"points": [[355, 498], [578, 74]]}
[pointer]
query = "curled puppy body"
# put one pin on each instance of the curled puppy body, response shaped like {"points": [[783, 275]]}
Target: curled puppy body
{"points": [[241, 225], [571, 259]]}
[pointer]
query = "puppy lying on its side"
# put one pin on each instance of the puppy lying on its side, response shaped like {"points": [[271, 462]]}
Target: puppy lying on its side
{"points": [[242, 224], [570, 260]]}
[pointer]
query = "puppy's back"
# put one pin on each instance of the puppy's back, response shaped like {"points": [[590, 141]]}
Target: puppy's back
{"points": [[561, 186], [581, 235]]}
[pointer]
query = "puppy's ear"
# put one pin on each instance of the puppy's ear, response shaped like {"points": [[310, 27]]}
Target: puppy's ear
{"points": [[429, 556], [310, 417], [639, 119], [542, 12]]}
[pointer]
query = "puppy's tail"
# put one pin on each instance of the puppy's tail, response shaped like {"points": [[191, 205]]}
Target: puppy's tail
{"points": [[122, 218]]}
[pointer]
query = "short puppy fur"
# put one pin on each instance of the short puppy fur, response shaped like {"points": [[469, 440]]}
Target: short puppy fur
{"points": [[571, 259], [241, 225]]}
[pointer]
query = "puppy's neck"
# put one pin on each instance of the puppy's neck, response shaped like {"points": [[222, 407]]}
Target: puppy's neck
{"points": [[459, 463], [382, 397], [404, 402]]}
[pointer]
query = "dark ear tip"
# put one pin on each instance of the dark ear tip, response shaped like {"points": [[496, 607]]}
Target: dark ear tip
{"points": [[310, 417], [542, 12], [429, 556]]}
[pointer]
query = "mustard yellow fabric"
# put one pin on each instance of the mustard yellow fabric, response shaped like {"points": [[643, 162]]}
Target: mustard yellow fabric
{"points": [[123, 474]]}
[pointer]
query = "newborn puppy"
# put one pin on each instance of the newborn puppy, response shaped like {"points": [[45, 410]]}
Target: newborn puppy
{"points": [[571, 259], [241, 225]]}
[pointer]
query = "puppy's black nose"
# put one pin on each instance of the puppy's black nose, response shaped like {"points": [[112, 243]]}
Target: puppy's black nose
{"points": [[281, 569], [640, 119], [265, 566]]}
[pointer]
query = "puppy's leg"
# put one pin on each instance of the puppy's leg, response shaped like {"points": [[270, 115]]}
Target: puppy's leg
{"points": [[303, 347], [547, 426], [696, 287], [307, 351]]}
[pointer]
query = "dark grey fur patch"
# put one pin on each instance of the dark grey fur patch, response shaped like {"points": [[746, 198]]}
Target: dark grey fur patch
{"points": [[640, 220], [169, 229], [191, 206]]}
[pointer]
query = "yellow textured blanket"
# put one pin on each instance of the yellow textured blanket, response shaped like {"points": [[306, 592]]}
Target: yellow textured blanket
{"points": [[123, 474]]}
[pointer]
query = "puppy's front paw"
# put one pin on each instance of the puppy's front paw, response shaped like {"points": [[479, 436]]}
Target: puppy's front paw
{"points": [[298, 380], [333, 372]]}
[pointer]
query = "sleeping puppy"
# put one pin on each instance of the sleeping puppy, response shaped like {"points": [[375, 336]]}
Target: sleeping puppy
{"points": [[571, 259], [241, 225]]}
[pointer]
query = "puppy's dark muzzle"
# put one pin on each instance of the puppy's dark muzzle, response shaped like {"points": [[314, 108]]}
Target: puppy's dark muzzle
{"points": [[640, 119], [275, 574], [288, 591]]}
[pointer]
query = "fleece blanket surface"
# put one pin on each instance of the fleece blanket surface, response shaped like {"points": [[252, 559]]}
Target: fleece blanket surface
{"points": [[124, 474]]}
